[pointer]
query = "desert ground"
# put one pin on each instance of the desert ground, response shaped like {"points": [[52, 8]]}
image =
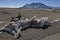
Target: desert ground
{"points": [[32, 33]]}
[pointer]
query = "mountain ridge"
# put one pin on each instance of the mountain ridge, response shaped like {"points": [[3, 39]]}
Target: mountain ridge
{"points": [[36, 6]]}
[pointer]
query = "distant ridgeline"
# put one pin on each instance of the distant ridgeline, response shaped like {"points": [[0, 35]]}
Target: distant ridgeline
{"points": [[35, 6]]}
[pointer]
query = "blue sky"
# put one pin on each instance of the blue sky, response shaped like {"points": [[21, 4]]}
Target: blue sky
{"points": [[19, 3]]}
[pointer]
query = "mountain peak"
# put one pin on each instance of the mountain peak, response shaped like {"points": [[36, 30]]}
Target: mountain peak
{"points": [[35, 6]]}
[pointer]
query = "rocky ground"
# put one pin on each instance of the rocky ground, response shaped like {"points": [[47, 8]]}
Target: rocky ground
{"points": [[53, 37], [32, 34]]}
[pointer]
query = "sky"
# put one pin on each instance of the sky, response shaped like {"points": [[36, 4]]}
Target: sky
{"points": [[20, 3]]}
